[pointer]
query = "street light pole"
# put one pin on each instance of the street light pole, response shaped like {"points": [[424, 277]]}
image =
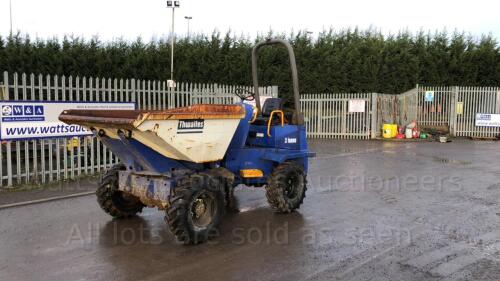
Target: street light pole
{"points": [[188, 20], [173, 5], [172, 42], [10, 8]]}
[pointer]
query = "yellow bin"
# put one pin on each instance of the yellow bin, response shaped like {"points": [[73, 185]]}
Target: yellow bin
{"points": [[389, 131]]}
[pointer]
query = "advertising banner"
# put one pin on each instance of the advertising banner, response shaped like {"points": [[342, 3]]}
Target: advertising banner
{"points": [[487, 120], [39, 119], [357, 106]]}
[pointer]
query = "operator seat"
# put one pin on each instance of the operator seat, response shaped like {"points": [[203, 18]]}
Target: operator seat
{"points": [[269, 106]]}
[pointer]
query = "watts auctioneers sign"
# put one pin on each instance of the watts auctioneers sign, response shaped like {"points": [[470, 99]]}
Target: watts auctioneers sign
{"points": [[32, 119], [487, 120]]}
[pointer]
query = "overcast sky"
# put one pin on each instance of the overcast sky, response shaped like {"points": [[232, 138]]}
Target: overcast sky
{"points": [[150, 18]]}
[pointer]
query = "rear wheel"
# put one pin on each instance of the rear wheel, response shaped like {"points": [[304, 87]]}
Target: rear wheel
{"points": [[196, 208], [286, 188], [116, 203]]}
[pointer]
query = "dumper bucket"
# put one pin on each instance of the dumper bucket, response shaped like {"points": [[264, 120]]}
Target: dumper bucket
{"points": [[198, 133]]}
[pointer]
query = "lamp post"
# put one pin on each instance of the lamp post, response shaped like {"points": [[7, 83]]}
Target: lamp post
{"points": [[173, 5], [10, 8], [188, 20]]}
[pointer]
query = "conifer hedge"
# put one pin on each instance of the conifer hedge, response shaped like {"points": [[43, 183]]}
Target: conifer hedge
{"points": [[348, 60]]}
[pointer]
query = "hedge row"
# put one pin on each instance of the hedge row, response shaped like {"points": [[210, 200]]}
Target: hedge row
{"points": [[334, 61]]}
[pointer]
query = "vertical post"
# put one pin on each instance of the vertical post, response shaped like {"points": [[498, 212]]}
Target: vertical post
{"points": [[58, 141], [132, 92], [9, 147], [343, 124], [10, 13], [319, 114], [172, 35], [5, 90], [189, 21], [374, 116], [418, 111], [275, 91], [497, 101], [453, 111]]}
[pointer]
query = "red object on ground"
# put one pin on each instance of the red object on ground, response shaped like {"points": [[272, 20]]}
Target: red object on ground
{"points": [[415, 133], [401, 130], [400, 136]]}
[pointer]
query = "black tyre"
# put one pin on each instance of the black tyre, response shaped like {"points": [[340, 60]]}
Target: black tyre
{"points": [[196, 208], [116, 203], [286, 188]]}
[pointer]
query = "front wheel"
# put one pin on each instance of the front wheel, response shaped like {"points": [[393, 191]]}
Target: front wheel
{"points": [[116, 203], [196, 208], [286, 188]]}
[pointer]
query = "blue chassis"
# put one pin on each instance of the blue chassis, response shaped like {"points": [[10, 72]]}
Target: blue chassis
{"points": [[250, 148]]}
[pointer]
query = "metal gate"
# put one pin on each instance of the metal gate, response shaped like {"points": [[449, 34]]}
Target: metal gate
{"points": [[454, 108], [469, 102], [334, 115]]}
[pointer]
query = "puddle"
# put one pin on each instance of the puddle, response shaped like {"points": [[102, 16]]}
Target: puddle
{"points": [[494, 186], [451, 161]]}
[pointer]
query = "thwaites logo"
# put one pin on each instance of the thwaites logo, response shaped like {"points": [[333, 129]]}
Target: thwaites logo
{"points": [[190, 126], [22, 113]]}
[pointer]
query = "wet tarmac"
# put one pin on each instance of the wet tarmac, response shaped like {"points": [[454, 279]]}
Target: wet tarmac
{"points": [[374, 211]]}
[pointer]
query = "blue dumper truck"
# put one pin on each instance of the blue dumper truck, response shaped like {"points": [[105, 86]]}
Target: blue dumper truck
{"points": [[187, 161]]}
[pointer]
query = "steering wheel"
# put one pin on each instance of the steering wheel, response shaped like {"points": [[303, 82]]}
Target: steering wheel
{"points": [[244, 94]]}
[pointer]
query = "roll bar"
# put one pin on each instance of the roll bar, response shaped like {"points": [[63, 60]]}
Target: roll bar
{"points": [[298, 118]]}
